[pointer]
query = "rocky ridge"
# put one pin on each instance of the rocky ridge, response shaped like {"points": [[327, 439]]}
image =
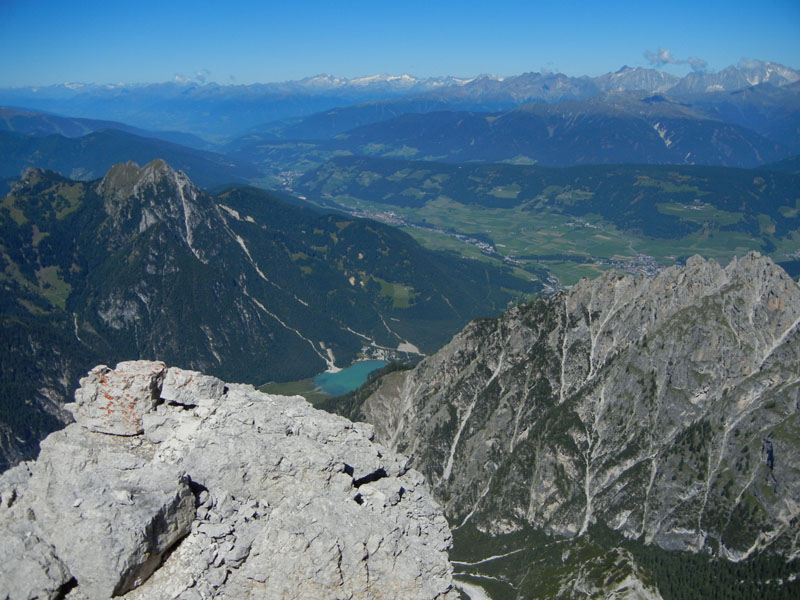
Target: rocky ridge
{"points": [[665, 408], [172, 484]]}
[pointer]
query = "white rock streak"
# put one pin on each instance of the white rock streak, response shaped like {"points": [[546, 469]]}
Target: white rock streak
{"points": [[779, 341], [488, 558], [464, 418], [475, 592], [188, 212], [327, 358], [240, 241]]}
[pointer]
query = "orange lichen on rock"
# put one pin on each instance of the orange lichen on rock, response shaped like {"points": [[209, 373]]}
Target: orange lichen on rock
{"points": [[114, 401]]}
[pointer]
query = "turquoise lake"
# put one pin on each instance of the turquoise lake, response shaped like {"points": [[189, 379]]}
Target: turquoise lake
{"points": [[349, 379]]}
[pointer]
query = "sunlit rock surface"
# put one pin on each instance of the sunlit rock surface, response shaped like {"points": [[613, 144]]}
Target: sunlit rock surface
{"points": [[227, 492], [663, 407]]}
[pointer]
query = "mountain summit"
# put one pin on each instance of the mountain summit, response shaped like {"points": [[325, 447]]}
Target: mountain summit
{"points": [[136, 198]]}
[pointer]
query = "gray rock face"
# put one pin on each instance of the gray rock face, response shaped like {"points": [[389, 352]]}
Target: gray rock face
{"points": [[29, 567], [109, 401], [130, 191], [664, 407], [227, 493]]}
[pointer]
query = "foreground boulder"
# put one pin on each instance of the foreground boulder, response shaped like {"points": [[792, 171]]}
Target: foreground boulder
{"points": [[225, 492]]}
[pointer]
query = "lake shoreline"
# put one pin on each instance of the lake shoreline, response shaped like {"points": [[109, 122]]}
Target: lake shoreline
{"points": [[315, 391]]}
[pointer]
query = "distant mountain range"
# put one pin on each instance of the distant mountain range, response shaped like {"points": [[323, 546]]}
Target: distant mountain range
{"points": [[743, 116], [768, 110], [608, 129], [91, 155], [221, 111], [28, 122], [747, 128]]}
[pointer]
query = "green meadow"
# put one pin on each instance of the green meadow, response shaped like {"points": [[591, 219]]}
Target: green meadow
{"points": [[573, 223]]}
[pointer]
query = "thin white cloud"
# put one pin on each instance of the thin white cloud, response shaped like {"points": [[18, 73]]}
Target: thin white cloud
{"points": [[200, 77], [664, 57], [750, 63], [660, 58], [697, 64]]}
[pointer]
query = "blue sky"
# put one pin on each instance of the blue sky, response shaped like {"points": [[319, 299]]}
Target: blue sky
{"points": [[48, 41]]}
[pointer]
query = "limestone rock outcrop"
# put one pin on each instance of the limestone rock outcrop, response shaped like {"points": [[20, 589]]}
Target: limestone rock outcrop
{"points": [[115, 402], [172, 484]]}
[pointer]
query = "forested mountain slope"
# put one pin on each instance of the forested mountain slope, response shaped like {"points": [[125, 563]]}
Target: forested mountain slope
{"points": [[142, 263]]}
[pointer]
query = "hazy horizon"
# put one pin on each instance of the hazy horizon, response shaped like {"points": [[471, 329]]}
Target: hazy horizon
{"points": [[50, 42], [200, 79]]}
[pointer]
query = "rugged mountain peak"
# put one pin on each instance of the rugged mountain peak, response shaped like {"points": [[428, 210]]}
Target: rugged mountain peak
{"points": [[636, 79], [240, 494], [747, 73], [136, 198], [128, 179], [30, 175], [632, 308], [763, 71], [31, 179], [661, 407]]}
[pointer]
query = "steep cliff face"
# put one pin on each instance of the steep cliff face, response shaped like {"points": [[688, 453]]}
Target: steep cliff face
{"points": [[172, 484], [663, 408]]}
